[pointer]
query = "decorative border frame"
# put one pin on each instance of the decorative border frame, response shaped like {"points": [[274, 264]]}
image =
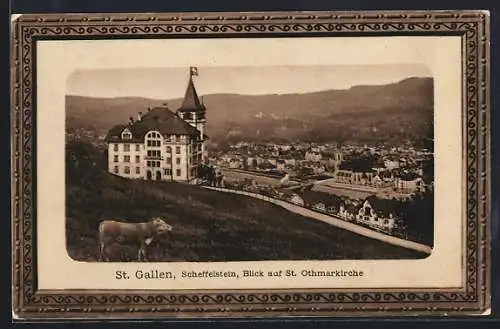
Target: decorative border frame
{"points": [[31, 303]]}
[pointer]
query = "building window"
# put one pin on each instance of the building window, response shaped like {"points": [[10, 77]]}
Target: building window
{"points": [[126, 148], [178, 160], [137, 170], [178, 172], [148, 163], [137, 159], [153, 139], [127, 169], [177, 150], [169, 149], [115, 158], [115, 147], [126, 134], [137, 147], [154, 153], [154, 143], [126, 158], [116, 170], [169, 160], [168, 172]]}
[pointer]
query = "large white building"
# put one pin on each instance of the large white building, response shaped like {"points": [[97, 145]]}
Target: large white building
{"points": [[161, 144]]}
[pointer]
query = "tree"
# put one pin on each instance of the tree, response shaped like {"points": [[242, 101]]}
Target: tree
{"points": [[202, 171], [83, 161], [428, 171], [418, 215]]}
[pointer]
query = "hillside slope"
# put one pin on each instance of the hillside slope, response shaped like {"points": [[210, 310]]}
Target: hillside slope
{"points": [[392, 112], [208, 225]]}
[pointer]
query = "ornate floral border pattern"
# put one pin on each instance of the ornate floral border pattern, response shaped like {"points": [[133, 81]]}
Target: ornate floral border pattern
{"points": [[472, 26]]}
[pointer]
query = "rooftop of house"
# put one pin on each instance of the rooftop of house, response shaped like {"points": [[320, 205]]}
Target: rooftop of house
{"points": [[408, 176], [384, 207], [314, 197], [191, 101], [162, 119], [159, 119]]}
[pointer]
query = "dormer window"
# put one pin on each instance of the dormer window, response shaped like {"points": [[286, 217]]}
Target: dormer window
{"points": [[126, 134]]}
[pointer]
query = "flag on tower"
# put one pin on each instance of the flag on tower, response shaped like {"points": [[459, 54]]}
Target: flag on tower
{"points": [[194, 71]]}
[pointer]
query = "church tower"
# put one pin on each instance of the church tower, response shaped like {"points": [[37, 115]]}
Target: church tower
{"points": [[338, 156], [192, 110]]}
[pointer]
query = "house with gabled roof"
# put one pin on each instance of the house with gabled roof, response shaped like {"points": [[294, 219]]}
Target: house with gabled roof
{"points": [[378, 213], [161, 144], [408, 182]]}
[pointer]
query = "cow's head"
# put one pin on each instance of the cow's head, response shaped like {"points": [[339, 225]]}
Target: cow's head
{"points": [[161, 226]]}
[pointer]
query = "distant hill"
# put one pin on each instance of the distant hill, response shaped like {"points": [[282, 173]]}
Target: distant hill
{"points": [[208, 225], [393, 112]]}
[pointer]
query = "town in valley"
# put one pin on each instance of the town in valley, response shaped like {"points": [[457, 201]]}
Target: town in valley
{"points": [[382, 186]]}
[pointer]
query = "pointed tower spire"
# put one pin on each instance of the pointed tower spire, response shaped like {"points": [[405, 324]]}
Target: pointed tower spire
{"points": [[191, 101]]}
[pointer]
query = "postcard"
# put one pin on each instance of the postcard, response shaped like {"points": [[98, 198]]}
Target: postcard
{"points": [[247, 164]]}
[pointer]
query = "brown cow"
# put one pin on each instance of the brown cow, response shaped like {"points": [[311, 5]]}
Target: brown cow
{"points": [[113, 231]]}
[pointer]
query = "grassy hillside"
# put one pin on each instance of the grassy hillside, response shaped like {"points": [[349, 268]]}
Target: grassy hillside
{"points": [[208, 225]]}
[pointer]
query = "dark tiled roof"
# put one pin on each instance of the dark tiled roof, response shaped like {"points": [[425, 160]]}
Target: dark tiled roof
{"points": [[160, 119], [350, 208], [191, 101], [313, 197], [384, 207], [115, 132], [408, 176]]}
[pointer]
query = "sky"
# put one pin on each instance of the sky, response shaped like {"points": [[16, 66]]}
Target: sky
{"points": [[169, 83]]}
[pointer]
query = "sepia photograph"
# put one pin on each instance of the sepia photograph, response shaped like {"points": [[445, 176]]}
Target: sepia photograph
{"points": [[250, 163]]}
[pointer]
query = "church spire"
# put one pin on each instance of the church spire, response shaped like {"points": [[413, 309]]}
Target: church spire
{"points": [[191, 100]]}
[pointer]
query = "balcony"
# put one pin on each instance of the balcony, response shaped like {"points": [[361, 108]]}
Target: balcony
{"points": [[153, 157]]}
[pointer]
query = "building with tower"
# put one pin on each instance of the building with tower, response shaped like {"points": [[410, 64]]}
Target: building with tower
{"points": [[338, 157], [192, 110], [160, 144]]}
